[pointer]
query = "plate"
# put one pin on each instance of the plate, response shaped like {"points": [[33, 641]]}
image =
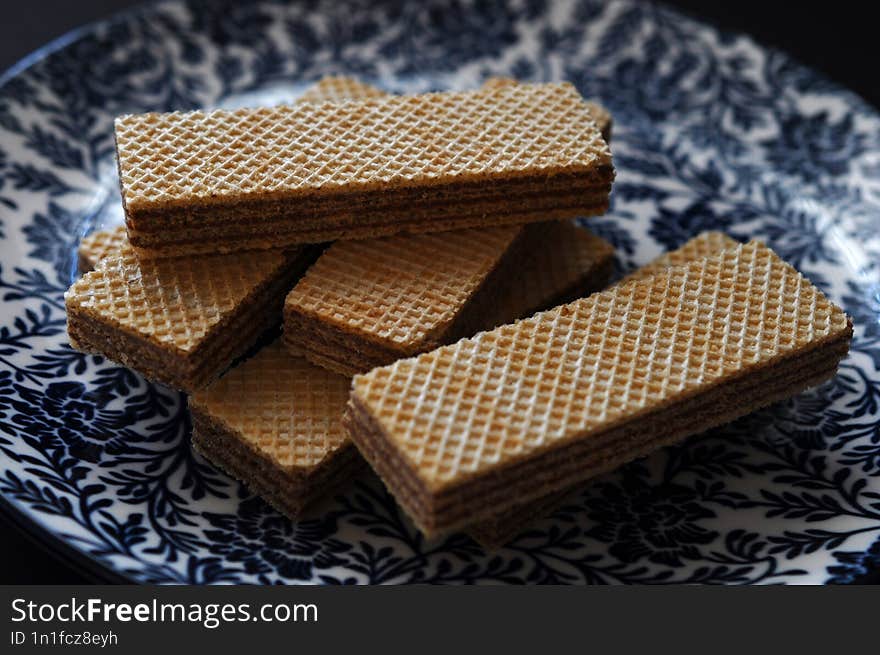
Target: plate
{"points": [[711, 132]]}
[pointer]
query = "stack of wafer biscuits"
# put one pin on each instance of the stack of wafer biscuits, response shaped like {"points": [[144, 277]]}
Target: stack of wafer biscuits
{"points": [[478, 396], [233, 428]]}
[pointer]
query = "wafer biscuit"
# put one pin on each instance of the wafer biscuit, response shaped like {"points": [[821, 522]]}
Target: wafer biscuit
{"points": [[98, 245], [266, 177], [371, 302], [564, 263], [274, 422], [368, 303], [469, 430], [599, 114], [180, 321]]}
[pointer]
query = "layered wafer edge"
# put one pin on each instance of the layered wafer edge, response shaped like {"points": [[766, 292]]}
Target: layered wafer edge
{"points": [[290, 491], [178, 223], [228, 339], [349, 352]]}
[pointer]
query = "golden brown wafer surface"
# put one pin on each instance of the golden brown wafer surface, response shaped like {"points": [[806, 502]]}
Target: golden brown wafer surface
{"points": [[173, 302], [367, 303], [102, 243], [273, 422], [178, 321], [98, 245], [178, 157], [281, 406], [502, 528], [446, 429], [599, 114], [399, 291], [565, 261], [705, 244], [297, 172]]}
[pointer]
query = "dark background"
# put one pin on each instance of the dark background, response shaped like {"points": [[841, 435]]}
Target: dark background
{"points": [[840, 40]]}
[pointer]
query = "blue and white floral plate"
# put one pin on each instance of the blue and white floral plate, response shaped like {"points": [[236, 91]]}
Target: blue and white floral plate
{"points": [[710, 131]]}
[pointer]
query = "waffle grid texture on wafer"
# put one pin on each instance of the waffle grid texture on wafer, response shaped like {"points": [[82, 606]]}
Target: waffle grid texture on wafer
{"points": [[180, 321], [103, 243], [307, 173], [501, 528], [368, 303], [274, 422], [564, 262], [703, 245], [598, 113], [99, 245], [339, 89], [468, 430]]}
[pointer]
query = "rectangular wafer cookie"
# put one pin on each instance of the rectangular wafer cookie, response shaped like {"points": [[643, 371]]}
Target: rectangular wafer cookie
{"points": [[274, 422], [180, 321], [368, 303], [257, 178], [469, 430], [503, 527]]}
